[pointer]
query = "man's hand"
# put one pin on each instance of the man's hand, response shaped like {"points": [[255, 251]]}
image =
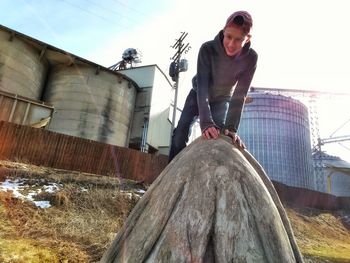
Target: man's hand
{"points": [[236, 140], [211, 133]]}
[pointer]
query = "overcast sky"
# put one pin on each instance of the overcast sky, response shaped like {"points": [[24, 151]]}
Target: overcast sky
{"points": [[302, 44]]}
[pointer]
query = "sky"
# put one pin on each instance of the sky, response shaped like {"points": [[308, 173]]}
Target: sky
{"points": [[302, 44]]}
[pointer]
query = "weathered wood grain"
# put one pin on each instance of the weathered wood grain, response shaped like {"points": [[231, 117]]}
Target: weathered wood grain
{"points": [[212, 203]]}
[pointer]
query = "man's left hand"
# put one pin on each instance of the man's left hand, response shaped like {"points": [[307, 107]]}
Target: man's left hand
{"points": [[236, 140]]}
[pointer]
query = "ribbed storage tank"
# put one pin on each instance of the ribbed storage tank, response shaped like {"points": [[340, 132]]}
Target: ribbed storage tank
{"points": [[22, 71], [333, 174], [276, 131], [90, 104]]}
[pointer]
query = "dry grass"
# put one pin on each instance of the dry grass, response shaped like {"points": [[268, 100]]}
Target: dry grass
{"points": [[321, 234], [86, 213], [88, 210]]}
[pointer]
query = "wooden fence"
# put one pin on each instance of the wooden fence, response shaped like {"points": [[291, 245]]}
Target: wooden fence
{"points": [[303, 197], [50, 149]]}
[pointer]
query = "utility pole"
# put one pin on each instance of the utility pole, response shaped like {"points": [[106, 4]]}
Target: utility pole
{"points": [[178, 65]]}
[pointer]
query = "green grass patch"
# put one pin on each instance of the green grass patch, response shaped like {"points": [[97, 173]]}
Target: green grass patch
{"points": [[25, 250]]}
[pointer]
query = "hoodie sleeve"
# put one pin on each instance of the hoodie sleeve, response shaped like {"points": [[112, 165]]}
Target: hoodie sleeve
{"points": [[234, 113], [203, 82]]}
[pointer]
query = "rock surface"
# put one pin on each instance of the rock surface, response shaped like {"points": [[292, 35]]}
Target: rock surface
{"points": [[212, 203]]}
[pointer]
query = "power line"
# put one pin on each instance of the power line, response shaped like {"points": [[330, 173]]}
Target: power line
{"points": [[340, 127], [87, 11], [92, 13], [111, 10], [131, 8]]}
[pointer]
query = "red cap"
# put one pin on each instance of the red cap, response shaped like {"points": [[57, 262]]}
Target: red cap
{"points": [[242, 19]]}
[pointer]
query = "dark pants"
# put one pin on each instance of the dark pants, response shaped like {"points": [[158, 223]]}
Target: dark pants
{"points": [[188, 117]]}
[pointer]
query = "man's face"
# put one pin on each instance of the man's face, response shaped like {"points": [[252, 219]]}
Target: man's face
{"points": [[234, 40]]}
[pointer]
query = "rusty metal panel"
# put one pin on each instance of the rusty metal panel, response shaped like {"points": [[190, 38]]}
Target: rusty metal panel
{"points": [[21, 110]]}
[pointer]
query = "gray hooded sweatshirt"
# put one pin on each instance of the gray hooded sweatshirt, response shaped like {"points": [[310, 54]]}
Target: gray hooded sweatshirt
{"points": [[223, 78]]}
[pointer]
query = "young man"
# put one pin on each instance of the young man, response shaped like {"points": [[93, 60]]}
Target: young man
{"points": [[225, 69]]}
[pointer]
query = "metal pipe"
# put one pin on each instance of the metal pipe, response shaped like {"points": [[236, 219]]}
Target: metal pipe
{"points": [[13, 110], [26, 114], [143, 147]]}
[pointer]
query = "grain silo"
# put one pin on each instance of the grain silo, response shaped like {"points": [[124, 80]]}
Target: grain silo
{"points": [[332, 174], [22, 66], [88, 100], [91, 103], [276, 131]]}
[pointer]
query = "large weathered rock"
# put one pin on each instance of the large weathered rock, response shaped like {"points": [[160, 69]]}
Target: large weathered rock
{"points": [[212, 203]]}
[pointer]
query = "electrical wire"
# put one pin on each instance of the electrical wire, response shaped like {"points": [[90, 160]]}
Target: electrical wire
{"points": [[111, 10], [94, 14], [131, 8], [341, 144], [341, 126]]}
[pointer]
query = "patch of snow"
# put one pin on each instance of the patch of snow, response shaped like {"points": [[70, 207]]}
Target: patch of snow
{"points": [[12, 185], [51, 188], [30, 195], [140, 191], [42, 204], [83, 189], [18, 185]]}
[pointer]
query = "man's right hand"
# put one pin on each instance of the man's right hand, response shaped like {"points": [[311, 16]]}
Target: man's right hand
{"points": [[211, 133], [236, 140]]}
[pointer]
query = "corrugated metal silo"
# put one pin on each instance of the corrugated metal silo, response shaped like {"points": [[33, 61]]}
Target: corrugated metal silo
{"points": [[90, 104], [333, 175], [276, 131], [22, 69]]}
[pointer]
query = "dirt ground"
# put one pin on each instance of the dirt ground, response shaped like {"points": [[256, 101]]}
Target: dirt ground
{"points": [[86, 211]]}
